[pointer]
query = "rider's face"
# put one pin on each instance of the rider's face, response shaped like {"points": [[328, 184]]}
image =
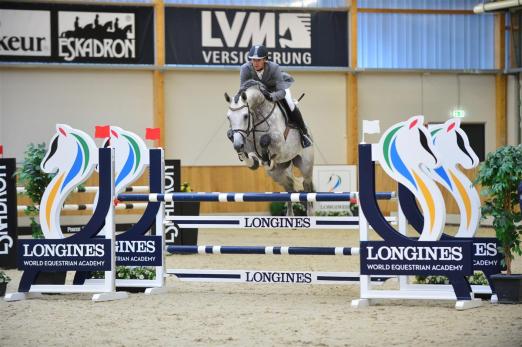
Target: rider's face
{"points": [[259, 64]]}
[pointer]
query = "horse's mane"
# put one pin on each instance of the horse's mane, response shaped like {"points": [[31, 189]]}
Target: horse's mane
{"points": [[248, 84]]}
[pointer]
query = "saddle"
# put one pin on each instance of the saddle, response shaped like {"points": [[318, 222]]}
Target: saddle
{"points": [[285, 110]]}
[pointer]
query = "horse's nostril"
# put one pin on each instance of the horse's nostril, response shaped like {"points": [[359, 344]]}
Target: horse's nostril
{"points": [[238, 146]]}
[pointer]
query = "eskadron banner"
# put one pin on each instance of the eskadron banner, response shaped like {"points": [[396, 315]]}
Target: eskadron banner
{"points": [[206, 36], [60, 33]]}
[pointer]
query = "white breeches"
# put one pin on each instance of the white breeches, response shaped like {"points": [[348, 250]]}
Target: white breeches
{"points": [[289, 100]]}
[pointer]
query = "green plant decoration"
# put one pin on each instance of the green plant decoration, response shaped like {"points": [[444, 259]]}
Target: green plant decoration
{"points": [[35, 181], [500, 176], [185, 188], [127, 273], [4, 278]]}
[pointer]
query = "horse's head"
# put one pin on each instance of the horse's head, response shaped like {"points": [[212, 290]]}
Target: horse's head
{"points": [[450, 138], [407, 146], [72, 156], [405, 152], [72, 152], [241, 112], [452, 144], [131, 156]]}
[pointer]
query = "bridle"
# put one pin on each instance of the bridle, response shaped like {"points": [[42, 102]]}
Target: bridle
{"points": [[252, 126]]}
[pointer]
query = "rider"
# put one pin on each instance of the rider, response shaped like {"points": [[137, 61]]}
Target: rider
{"points": [[277, 82]]}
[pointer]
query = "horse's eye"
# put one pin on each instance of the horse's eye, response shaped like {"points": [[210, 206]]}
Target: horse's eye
{"points": [[245, 117]]}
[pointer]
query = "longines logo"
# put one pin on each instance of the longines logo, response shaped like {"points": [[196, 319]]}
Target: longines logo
{"points": [[141, 246], [288, 31], [278, 277], [96, 35], [25, 33], [5, 240], [171, 231], [63, 250], [415, 253], [274, 222]]}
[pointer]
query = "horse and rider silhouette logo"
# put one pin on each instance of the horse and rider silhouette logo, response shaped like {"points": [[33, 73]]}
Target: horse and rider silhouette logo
{"points": [[87, 25]]}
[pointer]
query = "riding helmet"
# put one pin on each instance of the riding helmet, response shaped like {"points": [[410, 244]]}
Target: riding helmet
{"points": [[258, 52]]}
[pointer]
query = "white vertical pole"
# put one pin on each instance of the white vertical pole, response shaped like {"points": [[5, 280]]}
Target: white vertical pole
{"points": [[160, 227], [403, 224], [364, 281]]}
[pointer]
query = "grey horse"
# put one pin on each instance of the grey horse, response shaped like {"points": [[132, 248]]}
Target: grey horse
{"points": [[262, 136]]}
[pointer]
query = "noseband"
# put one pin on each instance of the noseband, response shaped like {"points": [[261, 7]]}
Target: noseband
{"points": [[243, 132]]}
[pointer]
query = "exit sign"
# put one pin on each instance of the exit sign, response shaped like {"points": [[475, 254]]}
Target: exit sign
{"points": [[458, 113]]}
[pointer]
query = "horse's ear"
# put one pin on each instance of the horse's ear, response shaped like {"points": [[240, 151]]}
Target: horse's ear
{"points": [[62, 128], [227, 97], [454, 123], [244, 96]]}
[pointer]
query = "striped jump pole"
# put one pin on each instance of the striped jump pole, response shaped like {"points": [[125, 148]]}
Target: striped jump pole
{"points": [[246, 197], [94, 189], [266, 250], [90, 207]]}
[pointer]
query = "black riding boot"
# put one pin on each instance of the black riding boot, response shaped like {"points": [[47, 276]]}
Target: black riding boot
{"points": [[297, 119]]}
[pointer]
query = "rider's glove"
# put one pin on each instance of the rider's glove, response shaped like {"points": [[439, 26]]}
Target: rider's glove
{"points": [[268, 95]]}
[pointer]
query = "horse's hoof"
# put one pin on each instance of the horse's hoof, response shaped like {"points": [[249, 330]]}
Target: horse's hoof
{"points": [[269, 166], [255, 164]]}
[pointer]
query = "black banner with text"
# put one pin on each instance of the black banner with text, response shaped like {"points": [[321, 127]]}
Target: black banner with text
{"points": [[423, 258], [8, 213], [62, 33], [197, 36]]}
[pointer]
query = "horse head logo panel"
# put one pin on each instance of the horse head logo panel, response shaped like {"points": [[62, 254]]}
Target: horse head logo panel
{"points": [[73, 157], [452, 146], [131, 157], [405, 152]]}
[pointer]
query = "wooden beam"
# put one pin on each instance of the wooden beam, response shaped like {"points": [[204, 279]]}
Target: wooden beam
{"points": [[353, 35], [158, 76], [352, 117], [501, 109], [413, 11], [500, 81], [352, 122]]}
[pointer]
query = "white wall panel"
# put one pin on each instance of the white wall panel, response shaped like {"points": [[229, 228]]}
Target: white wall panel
{"points": [[396, 97], [196, 115], [34, 100]]}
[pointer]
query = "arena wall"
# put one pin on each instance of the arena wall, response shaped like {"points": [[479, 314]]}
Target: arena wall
{"points": [[34, 100]]}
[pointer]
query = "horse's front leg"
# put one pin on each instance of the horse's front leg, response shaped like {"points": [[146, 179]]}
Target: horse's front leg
{"points": [[305, 164], [250, 160], [289, 209], [282, 174], [265, 142]]}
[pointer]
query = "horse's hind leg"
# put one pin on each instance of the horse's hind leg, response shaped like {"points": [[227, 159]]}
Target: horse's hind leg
{"points": [[282, 174], [305, 164]]}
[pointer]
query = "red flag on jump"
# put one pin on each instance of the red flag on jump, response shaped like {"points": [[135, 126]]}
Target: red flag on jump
{"points": [[1, 150], [152, 133], [102, 131]]}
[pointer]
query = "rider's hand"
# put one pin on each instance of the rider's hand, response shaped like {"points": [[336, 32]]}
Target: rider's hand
{"points": [[267, 95]]}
